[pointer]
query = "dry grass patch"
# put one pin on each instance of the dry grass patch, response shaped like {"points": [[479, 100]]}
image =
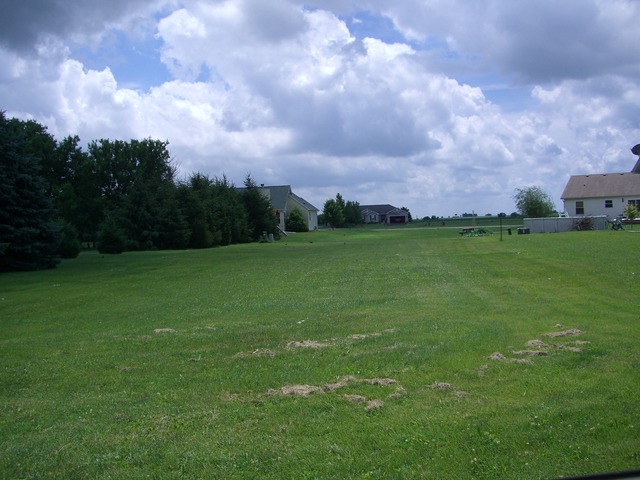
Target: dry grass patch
{"points": [[355, 398], [373, 405], [332, 387], [308, 344], [441, 386], [159, 331], [362, 336], [380, 381], [564, 333], [569, 348], [531, 353], [497, 357], [302, 390], [258, 352], [307, 390]]}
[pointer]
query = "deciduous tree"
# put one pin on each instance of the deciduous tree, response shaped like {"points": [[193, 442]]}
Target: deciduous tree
{"points": [[533, 202], [332, 213]]}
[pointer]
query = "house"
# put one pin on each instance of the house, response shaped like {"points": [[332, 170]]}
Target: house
{"points": [[603, 194], [386, 214], [284, 201]]}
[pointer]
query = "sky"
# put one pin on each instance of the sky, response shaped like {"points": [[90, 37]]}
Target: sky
{"points": [[444, 107]]}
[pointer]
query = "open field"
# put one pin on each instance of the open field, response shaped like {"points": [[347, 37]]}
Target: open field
{"points": [[397, 353]]}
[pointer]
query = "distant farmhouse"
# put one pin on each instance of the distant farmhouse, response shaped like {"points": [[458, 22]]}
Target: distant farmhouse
{"points": [[387, 214], [603, 194], [284, 201]]}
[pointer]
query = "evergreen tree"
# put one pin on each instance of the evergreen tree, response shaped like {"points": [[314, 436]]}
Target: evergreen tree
{"points": [[75, 188], [137, 188], [409, 217], [296, 222], [352, 215], [29, 238], [111, 238], [70, 245], [194, 197], [230, 217], [259, 212]]}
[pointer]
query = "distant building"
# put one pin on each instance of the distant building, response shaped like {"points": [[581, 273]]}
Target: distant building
{"points": [[284, 201], [387, 214]]}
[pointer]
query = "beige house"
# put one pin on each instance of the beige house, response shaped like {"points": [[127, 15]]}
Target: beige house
{"points": [[603, 194]]}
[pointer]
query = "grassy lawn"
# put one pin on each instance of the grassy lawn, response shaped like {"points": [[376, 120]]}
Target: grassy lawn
{"points": [[364, 353]]}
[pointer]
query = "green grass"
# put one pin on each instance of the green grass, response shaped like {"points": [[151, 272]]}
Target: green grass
{"points": [[89, 390]]}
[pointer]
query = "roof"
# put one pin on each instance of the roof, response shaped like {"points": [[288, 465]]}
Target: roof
{"points": [[303, 202], [380, 209], [278, 196], [602, 185]]}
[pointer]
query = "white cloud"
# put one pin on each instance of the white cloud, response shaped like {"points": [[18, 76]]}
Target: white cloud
{"points": [[290, 95]]}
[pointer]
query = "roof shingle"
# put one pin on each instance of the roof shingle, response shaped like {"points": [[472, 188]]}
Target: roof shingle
{"points": [[602, 185]]}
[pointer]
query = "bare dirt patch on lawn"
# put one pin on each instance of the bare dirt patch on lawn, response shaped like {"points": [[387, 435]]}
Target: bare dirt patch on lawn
{"points": [[530, 353], [362, 336], [373, 405], [302, 390], [328, 388], [258, 352], [538, 348], [308, 344], [564, 333], [160, 331]]}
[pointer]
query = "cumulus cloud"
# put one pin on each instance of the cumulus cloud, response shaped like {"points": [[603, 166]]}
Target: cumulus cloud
{"points": [[534, 40], [24, 24], [284, 90]]}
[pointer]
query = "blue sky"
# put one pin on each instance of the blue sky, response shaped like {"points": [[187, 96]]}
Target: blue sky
{"points": [[442, 106]]}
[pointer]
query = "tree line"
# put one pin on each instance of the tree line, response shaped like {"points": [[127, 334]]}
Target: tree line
{"points": [[338, 213], [118, 195]]}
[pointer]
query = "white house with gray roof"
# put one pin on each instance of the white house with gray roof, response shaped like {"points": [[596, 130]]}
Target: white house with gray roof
{"points": [[603, 194], [284, 201]]}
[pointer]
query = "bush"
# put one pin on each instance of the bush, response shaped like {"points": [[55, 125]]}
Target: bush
{"points": [[631, 212], [70, 245], [296, 223], [111, 238], [585, 223]]}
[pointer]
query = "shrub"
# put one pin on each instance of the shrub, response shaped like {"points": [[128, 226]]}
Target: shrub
{"points": [[584, 223], [631, 212], [295, 222], [70, 245], [112, 238]]}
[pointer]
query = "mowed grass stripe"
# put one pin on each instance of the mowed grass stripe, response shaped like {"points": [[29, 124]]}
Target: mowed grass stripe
{"points": [[181, 364]]}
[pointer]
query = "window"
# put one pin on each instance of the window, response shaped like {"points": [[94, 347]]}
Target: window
{"points": [[580, 208], [635, 203], [608, 204]]}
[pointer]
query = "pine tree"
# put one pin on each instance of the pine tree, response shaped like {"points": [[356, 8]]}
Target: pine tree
{"points": [[260, 214], [29, 238]]}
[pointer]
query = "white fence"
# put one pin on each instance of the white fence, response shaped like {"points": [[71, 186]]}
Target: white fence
{"points": [[563, 224]]}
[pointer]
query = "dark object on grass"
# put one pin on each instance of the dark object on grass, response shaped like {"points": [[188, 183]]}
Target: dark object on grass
{"points": [[616, 225]]}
